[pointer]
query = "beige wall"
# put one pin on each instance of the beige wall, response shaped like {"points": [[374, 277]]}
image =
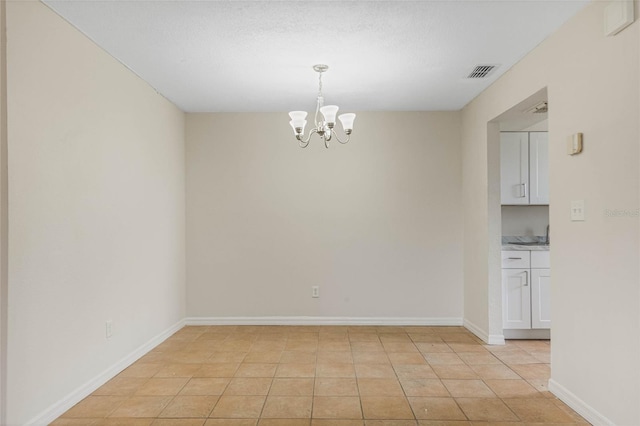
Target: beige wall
{"points": [[592, 84], [3, 215], [96, 211], [375, 223]]}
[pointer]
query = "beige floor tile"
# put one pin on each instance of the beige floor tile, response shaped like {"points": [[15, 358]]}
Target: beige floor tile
{"points": [[517, 388], [405, 358], [425, 338], [468, 388], [142, 406], [494, 371], [334, 422], [256, 370], [81, 421], [486, 409], [455, 423], [287, 407], [364, 337], [402, 337], [458, 338], [177, 422], [538, 410], [141, 370], [336, 387], [532, 371], [267, 357], [367, 347], [424, 387], [190, 357], [296, 370], [284, 422], [301, 345], [292, 387], [298, 357], [467, 347], [544, 357], [390, 422], [427, 408], [120, 386], [332, 407], [205, 386], [335, 370], [219, 369], [178, 370], [95, 406], [162, 386], [479, 358], [325, 357], [541, 385], [231, 422], [400, 347], [443, 359], [269, 346], [248, 407], [190, 406], [370, 358], [248, 386], [380, 387], [516, 357], [227, 357], [434, 348], [334, 346], [138, 422], [461, 371], [374, 371], [415, 372], [388, 408]]}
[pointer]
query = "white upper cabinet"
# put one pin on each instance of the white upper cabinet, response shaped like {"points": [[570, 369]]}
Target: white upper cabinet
{"points": [[524, 168], [514, 167], [539, 168]]}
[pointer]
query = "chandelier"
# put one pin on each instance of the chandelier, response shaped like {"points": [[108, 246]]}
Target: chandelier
{"points": [[324, 128]]}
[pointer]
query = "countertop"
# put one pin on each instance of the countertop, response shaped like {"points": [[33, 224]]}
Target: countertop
{"points": [[515, 243]]}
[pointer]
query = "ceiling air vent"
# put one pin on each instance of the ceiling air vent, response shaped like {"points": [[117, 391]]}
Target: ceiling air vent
{"points": [[481, 71]]}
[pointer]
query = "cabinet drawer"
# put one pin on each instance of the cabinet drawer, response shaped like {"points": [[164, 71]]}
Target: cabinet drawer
{"points": [[540, 259], [515, 259]]}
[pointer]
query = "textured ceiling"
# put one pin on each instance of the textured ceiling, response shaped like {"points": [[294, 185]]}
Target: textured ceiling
{"points": [[257, 56]]}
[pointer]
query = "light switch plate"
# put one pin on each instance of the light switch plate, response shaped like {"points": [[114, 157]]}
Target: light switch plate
{"points": [[577, 210]]}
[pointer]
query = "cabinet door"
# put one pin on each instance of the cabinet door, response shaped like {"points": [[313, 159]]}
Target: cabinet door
{"points": [[541, 298], [516, 299], [514, 167], [539, 168]]}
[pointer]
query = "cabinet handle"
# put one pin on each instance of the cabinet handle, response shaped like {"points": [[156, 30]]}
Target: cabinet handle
{"points": [[526, 278], [515, 258], [524, 190]]}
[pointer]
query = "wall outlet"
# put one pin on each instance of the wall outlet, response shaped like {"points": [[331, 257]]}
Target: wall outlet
{"points": [[108, 328], [315, 291]]}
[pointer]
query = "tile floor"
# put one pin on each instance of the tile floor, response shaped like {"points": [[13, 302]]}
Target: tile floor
{"points": [[321, 376]]}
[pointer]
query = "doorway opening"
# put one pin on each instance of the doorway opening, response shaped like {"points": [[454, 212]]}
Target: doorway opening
{"points": [[520, 273]]}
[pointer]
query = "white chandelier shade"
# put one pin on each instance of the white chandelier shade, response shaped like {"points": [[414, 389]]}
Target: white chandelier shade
{"points": [[325, 127]]}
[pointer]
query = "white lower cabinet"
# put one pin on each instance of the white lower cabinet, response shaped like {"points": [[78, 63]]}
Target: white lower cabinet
{"points": [[541, 298], [526, 290], [516, 299]]}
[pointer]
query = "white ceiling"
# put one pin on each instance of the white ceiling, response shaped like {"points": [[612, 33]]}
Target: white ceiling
{"points": [[257, 55]]}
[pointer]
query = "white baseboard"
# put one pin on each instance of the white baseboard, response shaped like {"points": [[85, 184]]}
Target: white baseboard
{"points": [[57, 409], [398, 321], [579, 406], [537, 334], [490, 339]]}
